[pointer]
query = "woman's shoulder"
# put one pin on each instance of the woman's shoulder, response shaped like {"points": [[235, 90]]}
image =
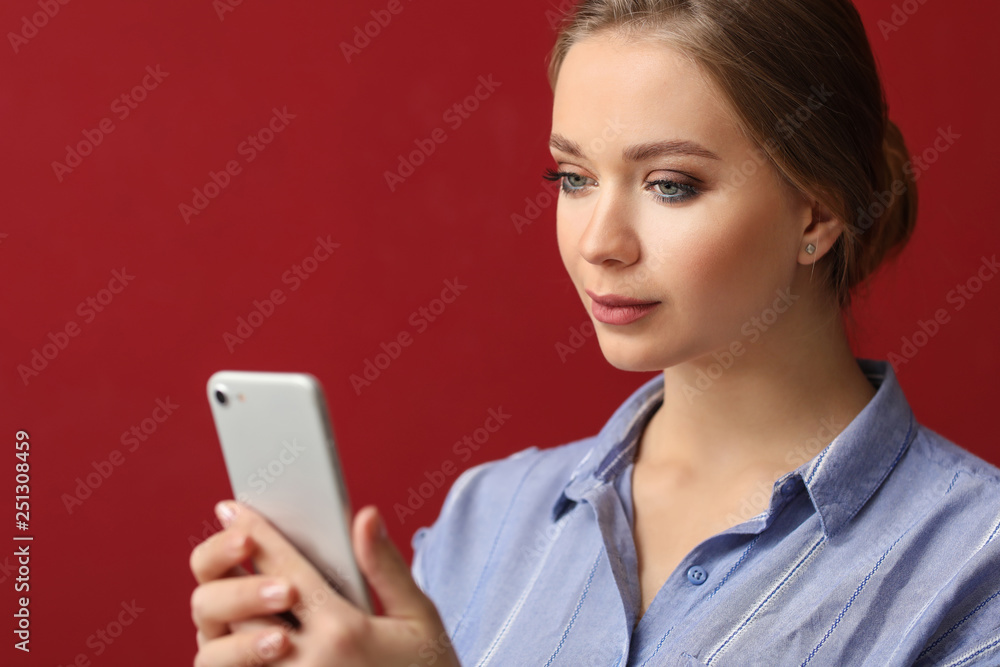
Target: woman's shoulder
{"points": [[492, 506], [931, 449], [481, 492], [494, 480]]}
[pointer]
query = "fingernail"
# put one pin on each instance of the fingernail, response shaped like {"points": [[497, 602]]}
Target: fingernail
{"points": [[269, 644], [275, 592], [226, 511], [380, 531]]}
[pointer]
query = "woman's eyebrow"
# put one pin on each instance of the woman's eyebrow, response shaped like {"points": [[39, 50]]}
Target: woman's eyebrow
{"points": [[638, 152]]}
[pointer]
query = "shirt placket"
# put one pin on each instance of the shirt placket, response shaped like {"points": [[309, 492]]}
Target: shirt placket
{"points": [[620, 549]]}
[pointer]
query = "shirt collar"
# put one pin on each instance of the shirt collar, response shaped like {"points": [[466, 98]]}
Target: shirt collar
{"points": [[839, 479]]}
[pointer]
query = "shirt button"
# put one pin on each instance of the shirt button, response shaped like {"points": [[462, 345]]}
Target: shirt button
{"points": [[788, 488], [697, 575]]}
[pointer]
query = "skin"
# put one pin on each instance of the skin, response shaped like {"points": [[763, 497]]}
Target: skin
{"points": [[715, 262], [231, 615]]}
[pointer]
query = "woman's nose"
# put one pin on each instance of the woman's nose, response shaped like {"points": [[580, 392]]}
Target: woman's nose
{"points": [[610, 233]]}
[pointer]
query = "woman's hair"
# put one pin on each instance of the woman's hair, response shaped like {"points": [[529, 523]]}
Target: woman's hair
{"points": [[802, 80]]}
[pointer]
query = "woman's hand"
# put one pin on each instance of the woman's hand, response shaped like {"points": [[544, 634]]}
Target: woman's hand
{"points": [[236, 620]]}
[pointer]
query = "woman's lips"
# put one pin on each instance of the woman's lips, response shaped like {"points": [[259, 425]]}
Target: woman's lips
{"points": [[615, 309], [620, 314]]}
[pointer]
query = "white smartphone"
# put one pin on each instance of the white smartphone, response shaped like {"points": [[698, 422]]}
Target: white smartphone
{"points": [[279, 451]]}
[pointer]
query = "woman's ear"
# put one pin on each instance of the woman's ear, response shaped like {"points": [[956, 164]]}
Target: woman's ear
{"points": [[820, 233]]}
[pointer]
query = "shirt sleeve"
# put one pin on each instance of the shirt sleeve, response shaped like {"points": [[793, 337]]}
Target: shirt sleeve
{"points": [[459, 540], [968, 632], [419, 544], [425, 538]]}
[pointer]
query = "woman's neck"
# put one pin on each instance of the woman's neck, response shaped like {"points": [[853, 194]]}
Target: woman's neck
{"points": [[786, 390]]}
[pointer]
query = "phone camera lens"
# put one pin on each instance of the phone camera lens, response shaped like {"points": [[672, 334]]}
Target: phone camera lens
{"points": [[220, 395]]}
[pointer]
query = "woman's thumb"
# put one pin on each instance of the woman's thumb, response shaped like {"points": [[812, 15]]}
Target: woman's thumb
{"points": [[383, 566]]}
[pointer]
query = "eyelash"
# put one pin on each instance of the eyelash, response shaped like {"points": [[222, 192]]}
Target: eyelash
{"points": [[687, 190]]}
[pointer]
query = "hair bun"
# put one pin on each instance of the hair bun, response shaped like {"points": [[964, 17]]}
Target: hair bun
{"points": [[892, 215]]}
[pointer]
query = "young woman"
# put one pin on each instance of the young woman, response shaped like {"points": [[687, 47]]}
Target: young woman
{"points": [[728, 175]]}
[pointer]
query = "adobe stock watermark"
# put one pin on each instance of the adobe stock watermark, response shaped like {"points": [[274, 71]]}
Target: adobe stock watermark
{"points": [[309, 601], [914, 168], [7, 569], [787, 126], [267, 474], [31, 26], [454, 117], [223, 7], [107, 634], [121, 108], [752, 330], [636, 282], [901, 13], [578, 337], [534, 206], [295, 276], [549, 193], [104, 468], [958, 297], [432, 649], [434, 479], [88, 309], [248, 149], [209, 528], [829, 428], [554, 16], [794, 121], [530, 551], [732, 11], [420, 319], [370, 30]]}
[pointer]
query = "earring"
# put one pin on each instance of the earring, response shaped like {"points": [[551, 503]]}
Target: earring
{"points": [[810, 248]]}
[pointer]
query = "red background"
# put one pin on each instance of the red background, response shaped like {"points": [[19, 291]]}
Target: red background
{"points": [[323, 175]]}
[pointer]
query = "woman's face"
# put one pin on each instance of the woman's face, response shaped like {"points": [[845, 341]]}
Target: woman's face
{"points": [[715, 245]]}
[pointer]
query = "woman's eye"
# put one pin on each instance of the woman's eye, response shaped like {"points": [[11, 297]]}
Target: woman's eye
{"points": [[667, 189], [570, 182], [666, 192], [672, 192]]}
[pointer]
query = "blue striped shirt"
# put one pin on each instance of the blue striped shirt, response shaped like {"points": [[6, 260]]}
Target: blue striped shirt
{"points": [[881, 548]]}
